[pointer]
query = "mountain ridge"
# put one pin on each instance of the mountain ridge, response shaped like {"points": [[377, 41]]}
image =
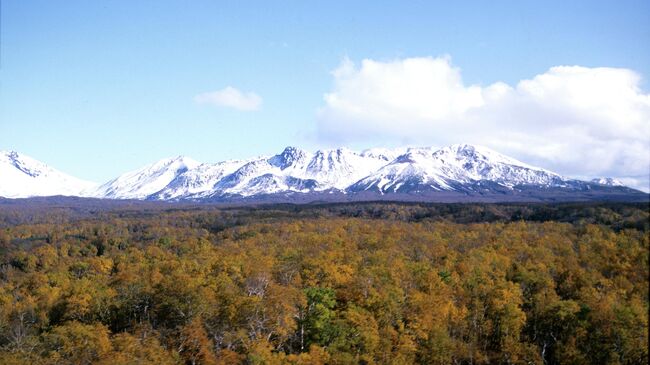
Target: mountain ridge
{"points": [[22, 176], [462, 171]]}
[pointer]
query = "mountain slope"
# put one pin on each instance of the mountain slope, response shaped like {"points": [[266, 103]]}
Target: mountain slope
{"points": [[455, 173], [197, 182], [292, 170], [22, 176], [454, 168], [608, 181], [142, 183]]}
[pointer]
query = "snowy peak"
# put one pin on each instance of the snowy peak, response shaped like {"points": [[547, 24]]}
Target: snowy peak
{"points": [[179, 162], [289, 157], [453, 168], [24, 164], [197, 182], [420, 172], [341, 167], [473, 154], [467, 162], [607, 181], [296, 170], [22, 176], [384, 154], [139, 184]]}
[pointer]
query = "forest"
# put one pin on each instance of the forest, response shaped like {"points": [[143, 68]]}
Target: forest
{"points": [[353, 283]]}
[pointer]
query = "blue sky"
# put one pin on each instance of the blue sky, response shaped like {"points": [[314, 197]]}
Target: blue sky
{"points": [[97, 88]]}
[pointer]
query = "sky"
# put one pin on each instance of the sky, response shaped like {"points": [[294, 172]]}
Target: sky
{"points": [[98, 88]]}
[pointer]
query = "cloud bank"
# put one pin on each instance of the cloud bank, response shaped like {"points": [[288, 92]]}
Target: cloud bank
{"points": [[578, 121], [231, 97]]}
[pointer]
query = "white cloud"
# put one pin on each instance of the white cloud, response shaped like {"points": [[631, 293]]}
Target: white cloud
{"points": [[575, 120], [232, 98]]}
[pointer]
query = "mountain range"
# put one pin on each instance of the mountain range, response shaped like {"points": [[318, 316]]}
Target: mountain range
{"points": [[459, 172]]}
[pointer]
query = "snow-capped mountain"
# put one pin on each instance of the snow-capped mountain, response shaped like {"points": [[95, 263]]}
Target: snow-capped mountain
{"points": [[146, 181], [22, 176], [455, 173], [456, 167], [293, 170], [608, 181], [197, 182]]}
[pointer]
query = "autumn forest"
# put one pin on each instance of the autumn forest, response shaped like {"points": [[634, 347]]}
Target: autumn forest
{"points": [[363, 283]]}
